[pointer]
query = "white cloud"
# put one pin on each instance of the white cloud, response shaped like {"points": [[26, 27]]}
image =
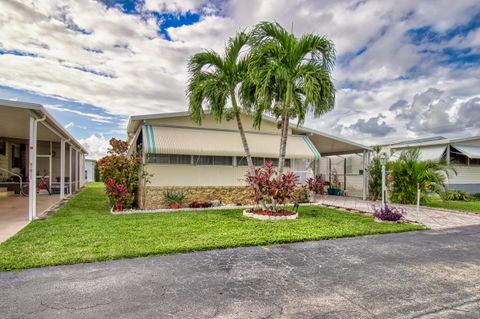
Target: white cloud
{"points": [[93, 116], [69, 125], [86, 52], [96, 146], [180, 6]]}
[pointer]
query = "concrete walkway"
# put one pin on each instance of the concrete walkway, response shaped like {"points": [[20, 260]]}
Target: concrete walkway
{"points": [[14, 212], [429, 275], [431, 217]]}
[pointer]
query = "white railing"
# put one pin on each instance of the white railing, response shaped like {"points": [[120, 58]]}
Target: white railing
{"points": [[17, 175]]}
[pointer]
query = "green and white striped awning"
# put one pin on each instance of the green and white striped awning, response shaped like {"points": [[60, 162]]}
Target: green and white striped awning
{"points": [[176, 140]]}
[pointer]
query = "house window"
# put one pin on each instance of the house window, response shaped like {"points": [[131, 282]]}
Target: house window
{"points": [[168, 159], [213, 160], [475, 161], [258, 161], [16, 156], [457, 157]]}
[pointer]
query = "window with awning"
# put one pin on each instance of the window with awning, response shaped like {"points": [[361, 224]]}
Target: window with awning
{"points": [[186, 141], [472, 152]]}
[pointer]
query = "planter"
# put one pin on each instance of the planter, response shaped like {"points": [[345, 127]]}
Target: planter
{"points": [[378, 220], [269, 215], [175, 206], [334, 191]]}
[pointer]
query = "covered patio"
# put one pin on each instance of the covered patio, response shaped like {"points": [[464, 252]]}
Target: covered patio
{"points": [[40, 164], [337, 158]]}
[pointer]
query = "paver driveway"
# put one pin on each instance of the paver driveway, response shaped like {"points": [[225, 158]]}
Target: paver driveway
{"points": [[434, 218], [431, 274]]}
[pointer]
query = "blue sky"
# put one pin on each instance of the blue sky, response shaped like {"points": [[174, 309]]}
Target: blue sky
{"points": [[404, 69]]}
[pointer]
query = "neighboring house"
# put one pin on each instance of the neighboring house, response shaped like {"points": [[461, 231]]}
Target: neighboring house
{"points": [[90, 170], [207, 162], [462, 153], [34, 148]]}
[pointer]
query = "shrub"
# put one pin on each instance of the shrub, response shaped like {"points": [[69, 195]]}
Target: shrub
{"points": [[316, 185], [117, 194], [476, 196], [409, 172], [173, 199], [455, 194], [273, 189], [122, 170], [301, 194], [200, 204], [390, 213]]}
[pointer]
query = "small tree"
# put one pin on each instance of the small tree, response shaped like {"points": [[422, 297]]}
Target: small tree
{"points": [[120, 172]]}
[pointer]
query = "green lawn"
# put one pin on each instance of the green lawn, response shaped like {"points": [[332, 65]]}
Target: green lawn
{"points": [[472, 206], [84, 231]]}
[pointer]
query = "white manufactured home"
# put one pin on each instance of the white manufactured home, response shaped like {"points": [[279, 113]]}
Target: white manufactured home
{"points": [[40, 164], [462, 153], [207, 162]]}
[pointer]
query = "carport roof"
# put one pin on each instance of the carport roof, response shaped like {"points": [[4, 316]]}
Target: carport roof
{"points": [[14, 113]]}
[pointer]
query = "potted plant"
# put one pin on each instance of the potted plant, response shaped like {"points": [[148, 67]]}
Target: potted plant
{"points": [[173, 200], [335, 187]]}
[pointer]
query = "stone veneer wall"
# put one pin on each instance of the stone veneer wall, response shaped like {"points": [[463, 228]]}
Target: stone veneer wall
{"points": [[237, 195]]}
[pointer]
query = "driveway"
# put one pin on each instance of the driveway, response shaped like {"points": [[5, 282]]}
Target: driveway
{"points": [[432, 274], [434, 218]]}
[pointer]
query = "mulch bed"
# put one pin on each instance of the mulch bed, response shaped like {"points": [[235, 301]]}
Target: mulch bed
{"points": [[281, 212]]}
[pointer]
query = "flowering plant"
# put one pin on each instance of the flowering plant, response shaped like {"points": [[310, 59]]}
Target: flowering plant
{"points": [[316, 184], [273, 188], [119, 169], [117, 193], [390, 213]]}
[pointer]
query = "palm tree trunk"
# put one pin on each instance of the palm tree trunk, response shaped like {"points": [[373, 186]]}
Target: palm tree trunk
{"points": [[283, 144], [251, 167], [284, 136]]}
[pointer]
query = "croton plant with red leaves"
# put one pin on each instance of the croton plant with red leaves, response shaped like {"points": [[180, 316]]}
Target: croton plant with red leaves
{"points": [[117, 193], [274, 189]]}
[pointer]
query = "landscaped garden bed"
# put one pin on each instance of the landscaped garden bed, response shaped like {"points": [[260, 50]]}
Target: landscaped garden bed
{"points": [[83, 230]]}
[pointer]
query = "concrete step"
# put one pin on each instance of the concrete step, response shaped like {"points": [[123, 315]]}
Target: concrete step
{"points": [[7, 193]]}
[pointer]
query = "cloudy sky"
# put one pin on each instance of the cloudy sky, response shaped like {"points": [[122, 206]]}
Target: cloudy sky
{"points": [[404, 68]]}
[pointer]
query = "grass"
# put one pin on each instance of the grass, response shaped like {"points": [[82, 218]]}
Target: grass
{"points": [[84, 231], [472, 206]]}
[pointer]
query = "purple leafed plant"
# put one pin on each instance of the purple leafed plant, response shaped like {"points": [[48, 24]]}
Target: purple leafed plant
{"points": [[390, 213]]}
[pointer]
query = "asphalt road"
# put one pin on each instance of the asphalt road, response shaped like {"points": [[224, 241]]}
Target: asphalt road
{"points": [[434, 274]]}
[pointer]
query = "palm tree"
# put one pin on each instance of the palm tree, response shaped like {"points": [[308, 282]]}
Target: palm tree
{"points": [[214, 80], [289, 77]]}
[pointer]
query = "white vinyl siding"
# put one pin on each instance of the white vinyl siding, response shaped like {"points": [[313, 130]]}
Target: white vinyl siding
{"points": [[466, 175]]}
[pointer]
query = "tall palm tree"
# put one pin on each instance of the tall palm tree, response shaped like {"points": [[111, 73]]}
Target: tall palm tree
{"points": [[215, 80], [289, 77]]}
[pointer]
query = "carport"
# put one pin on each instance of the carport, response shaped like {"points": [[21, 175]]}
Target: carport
{"points": [[345, 158], [40, 164]]}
